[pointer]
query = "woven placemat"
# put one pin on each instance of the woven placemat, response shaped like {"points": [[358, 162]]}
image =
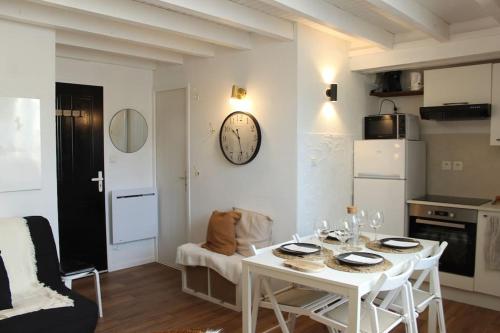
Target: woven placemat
{"points": [[362, 239], [322, 255], [337, 265], [376, 246]]}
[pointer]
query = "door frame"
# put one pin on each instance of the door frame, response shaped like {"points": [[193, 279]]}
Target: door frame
{"points": [[187, 87]]}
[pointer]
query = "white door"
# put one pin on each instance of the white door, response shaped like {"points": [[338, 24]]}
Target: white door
{"points": [[387, 195], [380, 159], [171, 165]]}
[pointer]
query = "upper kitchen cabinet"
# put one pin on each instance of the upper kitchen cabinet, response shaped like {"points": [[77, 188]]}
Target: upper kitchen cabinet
{"points": [[467, 84], [495, 106]]}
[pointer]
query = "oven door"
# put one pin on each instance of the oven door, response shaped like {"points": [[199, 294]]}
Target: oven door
{"points": [[381, 127], [459, 257]]}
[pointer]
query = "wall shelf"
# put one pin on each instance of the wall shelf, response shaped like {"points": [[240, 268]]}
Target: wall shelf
{"points": [[397, 93]]}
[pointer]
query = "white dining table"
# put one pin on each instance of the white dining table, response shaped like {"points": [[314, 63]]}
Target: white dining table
{"points": [[350, 285]]}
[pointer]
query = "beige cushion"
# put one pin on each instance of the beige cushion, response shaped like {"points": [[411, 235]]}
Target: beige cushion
{"points": [[221, 232], [253, 228]]}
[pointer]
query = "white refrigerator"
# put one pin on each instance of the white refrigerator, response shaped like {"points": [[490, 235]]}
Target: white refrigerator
{"points": [[387, 173]]}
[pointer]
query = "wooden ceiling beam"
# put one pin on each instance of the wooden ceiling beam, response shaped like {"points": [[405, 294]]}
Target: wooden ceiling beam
{"points": [[325, 14], [415, 15], [145, 15], [232, 14], [71, 21]]}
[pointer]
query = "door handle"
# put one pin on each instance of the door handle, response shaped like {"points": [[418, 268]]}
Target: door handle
{"points": [[99, 179]]}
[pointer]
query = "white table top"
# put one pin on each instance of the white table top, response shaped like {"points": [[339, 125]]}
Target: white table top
{"points": [[346, 280]]}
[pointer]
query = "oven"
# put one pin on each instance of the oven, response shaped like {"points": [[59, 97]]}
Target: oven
{"points": [[457, 226]]}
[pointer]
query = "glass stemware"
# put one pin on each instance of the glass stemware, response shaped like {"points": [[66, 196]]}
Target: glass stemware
{"points": [[376, 221], [363, 219], [322, 229], [343, 235]]}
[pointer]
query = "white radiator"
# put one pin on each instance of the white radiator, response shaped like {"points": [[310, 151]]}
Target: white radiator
{"points": [[134, 215]]}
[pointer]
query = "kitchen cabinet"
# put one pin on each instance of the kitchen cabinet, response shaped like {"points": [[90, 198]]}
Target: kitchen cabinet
{"points": [[485, 280], [495, 106], [466, 84]]}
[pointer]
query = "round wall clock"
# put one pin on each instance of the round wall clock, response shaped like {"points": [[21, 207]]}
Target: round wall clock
{"points": [[240, 137]]}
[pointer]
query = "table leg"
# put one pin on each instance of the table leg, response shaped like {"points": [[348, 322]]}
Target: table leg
{"points": [[257, 295], [246, 300], [354, 312]]}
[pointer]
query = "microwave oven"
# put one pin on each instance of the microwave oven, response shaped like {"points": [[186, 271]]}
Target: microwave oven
{"points": [[392, 126]]}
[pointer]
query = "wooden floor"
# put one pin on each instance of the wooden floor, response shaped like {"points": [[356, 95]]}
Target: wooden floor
{"points": [[149, 299]]}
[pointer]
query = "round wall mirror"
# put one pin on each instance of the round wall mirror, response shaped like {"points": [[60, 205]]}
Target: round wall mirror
{"points": [[128, 130]]}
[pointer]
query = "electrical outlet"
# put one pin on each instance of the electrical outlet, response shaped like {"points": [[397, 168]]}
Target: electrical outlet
{"points": [[446, 165], [458, 166]]}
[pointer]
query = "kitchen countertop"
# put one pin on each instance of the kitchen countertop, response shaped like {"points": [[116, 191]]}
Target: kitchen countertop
{"points": [[488, 207]]}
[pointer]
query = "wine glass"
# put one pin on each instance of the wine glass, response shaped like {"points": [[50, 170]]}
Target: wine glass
{"points": [[342, 234], [376, 221], [321, 230], [362, 219]]}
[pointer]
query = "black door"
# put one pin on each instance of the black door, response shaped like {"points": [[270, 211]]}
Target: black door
{"points": [[82, 221]]}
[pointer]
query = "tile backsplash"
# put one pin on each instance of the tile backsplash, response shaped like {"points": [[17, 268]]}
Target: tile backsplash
{"points": [[480, 176]]}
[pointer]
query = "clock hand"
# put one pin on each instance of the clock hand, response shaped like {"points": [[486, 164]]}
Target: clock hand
{"points": [[239, 141]]}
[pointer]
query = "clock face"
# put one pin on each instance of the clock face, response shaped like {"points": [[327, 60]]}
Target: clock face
{"points": [[240, 137]]}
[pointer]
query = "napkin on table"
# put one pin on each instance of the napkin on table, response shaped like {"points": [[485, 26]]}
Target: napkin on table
{"points": [[363, 260], [298, 248], [400, 243]]}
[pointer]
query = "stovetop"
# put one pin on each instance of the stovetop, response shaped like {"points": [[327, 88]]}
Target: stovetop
{"points": [[454, 200]]}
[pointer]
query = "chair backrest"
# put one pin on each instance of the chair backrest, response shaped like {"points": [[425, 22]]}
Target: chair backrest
{"points": [[391, 283], [47, 261], [255, 251], [429, 264], [433, 260]]}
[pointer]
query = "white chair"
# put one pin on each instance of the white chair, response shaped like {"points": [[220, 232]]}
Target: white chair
{"points": [[294, 300], [68, 282], [429, 267], [373, 318]]}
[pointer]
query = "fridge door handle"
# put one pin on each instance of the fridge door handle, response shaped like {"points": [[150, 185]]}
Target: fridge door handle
{"points": [[378, 176]]}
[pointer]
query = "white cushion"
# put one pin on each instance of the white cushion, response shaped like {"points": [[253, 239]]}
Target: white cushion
{"points": [[253, 228], [229, 267]]}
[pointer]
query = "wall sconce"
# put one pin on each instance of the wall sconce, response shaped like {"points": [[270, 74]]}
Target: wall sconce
{"points": [[332, 92], [238, 93], [239, 100]]}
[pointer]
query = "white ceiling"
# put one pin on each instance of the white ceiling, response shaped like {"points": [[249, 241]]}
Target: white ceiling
{"points": [[371, 14], [454, 11], [451, 11], [168, 30]]}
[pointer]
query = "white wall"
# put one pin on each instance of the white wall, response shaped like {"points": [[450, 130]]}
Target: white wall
{"points": [[268, 183], [304, 170], [326, 130], [27, 67], [124, 87]]}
